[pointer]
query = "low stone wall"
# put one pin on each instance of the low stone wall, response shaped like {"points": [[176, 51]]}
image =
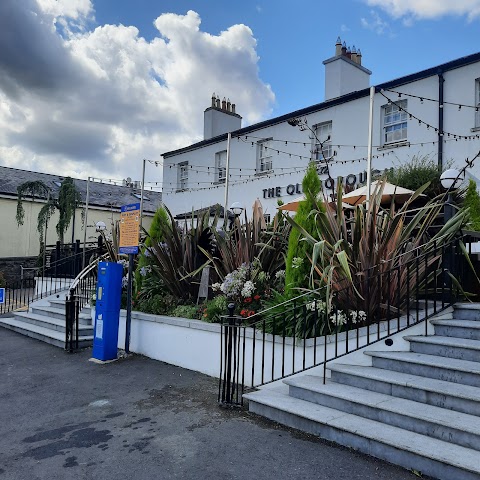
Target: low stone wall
{"points": [[11, 267]]}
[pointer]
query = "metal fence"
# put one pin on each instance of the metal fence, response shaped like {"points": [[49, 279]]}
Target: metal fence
{"points": [[310, 331]]}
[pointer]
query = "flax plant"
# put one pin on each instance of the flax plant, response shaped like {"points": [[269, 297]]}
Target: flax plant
{"points": [[353, 252]]}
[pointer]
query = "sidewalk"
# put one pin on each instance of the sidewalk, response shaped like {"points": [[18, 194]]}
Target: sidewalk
{"points": [[62, 417]]}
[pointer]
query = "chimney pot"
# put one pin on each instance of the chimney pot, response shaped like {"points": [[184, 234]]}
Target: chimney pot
{"points": [[229, 105], [359, 57], [338, 47], [233, 108], [217, 102], [224, 104], [213, 99], [354, 54], [344, 48]]}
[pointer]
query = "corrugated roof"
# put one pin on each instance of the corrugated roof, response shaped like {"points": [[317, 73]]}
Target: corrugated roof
{"points": [[101, 194]]}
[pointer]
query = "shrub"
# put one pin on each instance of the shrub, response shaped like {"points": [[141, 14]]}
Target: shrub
{"points": [[185, 311], [298, 266], [472, 201], [417, 172], [3, 282], [214, 309]]}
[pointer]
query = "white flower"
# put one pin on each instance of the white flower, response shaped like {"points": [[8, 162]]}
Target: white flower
{"points": [[280, 274], [125, 281], [248, 289], [144, 271], [216, 287], [339, 318]]}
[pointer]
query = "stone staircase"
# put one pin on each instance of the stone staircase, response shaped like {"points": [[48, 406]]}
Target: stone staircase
{"points": [[419, 409], [45, 321]]}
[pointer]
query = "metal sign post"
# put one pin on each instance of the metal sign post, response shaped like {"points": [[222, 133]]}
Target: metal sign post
{"points": [[129, 230]]}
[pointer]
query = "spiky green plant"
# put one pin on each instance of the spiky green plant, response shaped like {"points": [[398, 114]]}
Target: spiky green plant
{"points": [[356, 251], [472, 201], [297, 266]]}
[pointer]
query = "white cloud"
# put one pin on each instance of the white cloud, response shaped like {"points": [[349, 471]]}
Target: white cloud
{"points": [[428, 9], [375, 23], [100, 101], [344, 28]]}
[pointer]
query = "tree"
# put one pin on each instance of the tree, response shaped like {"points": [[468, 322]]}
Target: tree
{"points": [[297, 268], [68, 201]]}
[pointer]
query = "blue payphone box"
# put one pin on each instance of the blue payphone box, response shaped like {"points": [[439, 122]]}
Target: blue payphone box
{"points": [[107, 310]]}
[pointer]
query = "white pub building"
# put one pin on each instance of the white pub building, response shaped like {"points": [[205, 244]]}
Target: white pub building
{"points": [[434, 112]]}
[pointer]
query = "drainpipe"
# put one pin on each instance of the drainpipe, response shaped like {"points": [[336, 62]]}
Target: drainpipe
{"points": [[441, 81]]}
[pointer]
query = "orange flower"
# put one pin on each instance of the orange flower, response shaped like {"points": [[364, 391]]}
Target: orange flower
{"points": [[205, 315]]}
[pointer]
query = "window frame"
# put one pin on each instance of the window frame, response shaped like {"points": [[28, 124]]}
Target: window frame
{"points": [[397, 108], [319, 154], [265, 161], [182, 176], [220, 168]]}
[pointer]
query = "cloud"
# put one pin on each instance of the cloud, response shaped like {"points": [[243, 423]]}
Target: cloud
{"points": [[375, 23], [78, 99], [428, 9], [344, 28]]}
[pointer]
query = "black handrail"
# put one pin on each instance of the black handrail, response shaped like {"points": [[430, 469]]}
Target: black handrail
{"points": [[305, 332], [80, 294]]}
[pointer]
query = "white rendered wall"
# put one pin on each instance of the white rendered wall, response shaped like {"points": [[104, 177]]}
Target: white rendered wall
{"points": [[349, 127], [342, 77]]}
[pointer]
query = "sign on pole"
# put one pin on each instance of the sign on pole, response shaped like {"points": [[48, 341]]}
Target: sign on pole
{"points": [[129, 228], [2, 295]]}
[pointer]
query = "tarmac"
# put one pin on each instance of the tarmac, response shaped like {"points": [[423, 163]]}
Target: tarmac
{"points": [[63, 417]]}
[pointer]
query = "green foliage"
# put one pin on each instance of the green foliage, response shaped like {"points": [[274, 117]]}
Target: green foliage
{"points": [[3, 282], [472, 202], [154, 235], [417, 172], [375, 240], [185, 311], [67, 202], [215, 308], [158, 304], [297, 263]]}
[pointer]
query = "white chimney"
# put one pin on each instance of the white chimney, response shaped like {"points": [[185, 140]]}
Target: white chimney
{"points": [[344, 72], [220, 118]]}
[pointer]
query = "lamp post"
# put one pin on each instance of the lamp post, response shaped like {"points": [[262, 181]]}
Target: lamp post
{"points": [[237, 209]]}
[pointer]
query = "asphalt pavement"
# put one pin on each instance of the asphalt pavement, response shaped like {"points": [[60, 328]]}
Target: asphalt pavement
{"points": [[63, 417]]}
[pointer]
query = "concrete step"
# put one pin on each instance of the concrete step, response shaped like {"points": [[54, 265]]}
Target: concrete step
{"points": [[50, 322], [430, 456], [452, 347], [54, 312], [452, 396], [467, 311], [430, 366], [457, 328], [455, 427], [47, 335]]}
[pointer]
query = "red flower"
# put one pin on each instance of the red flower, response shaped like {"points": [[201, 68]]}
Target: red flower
{"points": [[250, 313], [248, 300], [243, 313], [256, 297]]}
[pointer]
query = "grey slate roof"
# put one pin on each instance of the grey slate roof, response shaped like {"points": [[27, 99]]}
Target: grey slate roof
{"points": [[101, 194], [213, 210]]}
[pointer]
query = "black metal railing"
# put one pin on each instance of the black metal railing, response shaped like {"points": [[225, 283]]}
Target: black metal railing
{"points": [[309, 331], [42, 281], [80, 294]]}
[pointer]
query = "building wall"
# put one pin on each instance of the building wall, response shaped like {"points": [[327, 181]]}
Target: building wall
{"points": [[349, 129], [23, 241]]}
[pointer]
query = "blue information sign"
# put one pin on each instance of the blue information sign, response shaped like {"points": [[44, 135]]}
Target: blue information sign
{"points": [[129, 228], [2, 295]]}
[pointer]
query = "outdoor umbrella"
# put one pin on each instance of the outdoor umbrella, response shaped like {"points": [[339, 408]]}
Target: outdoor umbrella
{"points": [[292, 206], [389, 191]]}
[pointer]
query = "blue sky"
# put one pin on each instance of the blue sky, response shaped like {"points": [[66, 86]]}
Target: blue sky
{"points": [[295, 37], [91, 87]]}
